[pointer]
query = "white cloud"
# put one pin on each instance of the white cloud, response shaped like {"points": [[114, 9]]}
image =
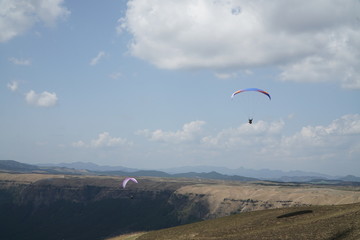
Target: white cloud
{"points": [[340, 138], [310, 40], [225, 75], [44, 99], [257, 134], [121, 25], [13, 86], [79, 144], [188, 133], [321, 148], [115, 75], [335, 144], [96, 59], [265, 145], [16, 61], [17, 16], [335, 61], [103, 140], [339, 135], [326, 147]]}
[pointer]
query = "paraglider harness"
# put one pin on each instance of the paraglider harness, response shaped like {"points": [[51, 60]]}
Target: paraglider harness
{"points": [[250, 120]]}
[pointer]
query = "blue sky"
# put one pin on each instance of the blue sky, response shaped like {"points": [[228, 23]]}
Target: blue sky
{"points": [[147, 84]]}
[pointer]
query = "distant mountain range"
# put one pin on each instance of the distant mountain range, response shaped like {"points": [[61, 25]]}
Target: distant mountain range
{"points": [[206, 172], [10, 165], [265, 174], [89, 166], [83, 169]]}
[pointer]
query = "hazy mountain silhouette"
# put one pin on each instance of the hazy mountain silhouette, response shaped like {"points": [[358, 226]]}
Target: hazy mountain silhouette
{"points": [[89, 166], [207, 172]]}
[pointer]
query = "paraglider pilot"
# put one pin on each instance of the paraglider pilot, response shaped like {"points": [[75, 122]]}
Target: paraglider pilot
{"points": [[251, 89]]}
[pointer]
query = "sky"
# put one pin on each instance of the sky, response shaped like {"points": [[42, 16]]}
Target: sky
{"points": [[147, 84]]}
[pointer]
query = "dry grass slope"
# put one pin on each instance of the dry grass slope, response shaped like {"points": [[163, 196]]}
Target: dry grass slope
{"points": [[131, 236], [316, 223]]}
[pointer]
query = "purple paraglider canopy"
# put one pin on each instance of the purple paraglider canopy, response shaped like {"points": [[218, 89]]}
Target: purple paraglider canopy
{"points": [[251, 89], [126, 180]]}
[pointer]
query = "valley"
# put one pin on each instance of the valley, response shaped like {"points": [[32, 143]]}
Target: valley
{"points": [[96, 207]]}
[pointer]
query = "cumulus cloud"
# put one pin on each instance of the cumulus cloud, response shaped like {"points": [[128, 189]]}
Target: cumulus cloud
{"points": [[340, 136], [18, 16], [336, 62], [225, 75], [258, 134], [103, 140], [121, 25], [335, 143], [96, 59], [263, 145], [17, 61], [266, 144], [188, 133], [116, 75], [79, 144], [13, 86], [44, 99], [268, 139], [308, 40]]}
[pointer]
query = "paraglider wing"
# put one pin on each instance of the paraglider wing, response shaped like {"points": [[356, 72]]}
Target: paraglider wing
{"points": [[126, 180], [251, 89]]}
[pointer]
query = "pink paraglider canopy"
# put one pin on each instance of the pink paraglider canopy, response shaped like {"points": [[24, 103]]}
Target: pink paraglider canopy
{"points": [[126, 180]]}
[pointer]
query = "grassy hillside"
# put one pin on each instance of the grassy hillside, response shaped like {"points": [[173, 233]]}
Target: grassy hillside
{"points": [[314, 222]]}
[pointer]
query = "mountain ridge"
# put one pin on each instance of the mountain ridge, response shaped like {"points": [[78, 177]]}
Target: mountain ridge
{"points": [[266, 174], [207, 172]]}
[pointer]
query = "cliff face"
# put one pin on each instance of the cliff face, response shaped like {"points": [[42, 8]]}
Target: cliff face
{"points": [[226, 199], [82, 208]]}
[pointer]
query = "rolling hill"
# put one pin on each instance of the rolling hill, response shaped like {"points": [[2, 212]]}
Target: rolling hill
{"points": [[311, 222]]}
